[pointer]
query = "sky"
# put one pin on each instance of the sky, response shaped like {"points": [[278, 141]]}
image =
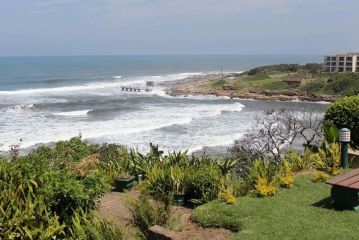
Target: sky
{"points": [[112, 27]]}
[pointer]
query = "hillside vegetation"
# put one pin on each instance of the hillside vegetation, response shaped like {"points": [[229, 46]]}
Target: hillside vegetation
{"points": [[271, 78]]}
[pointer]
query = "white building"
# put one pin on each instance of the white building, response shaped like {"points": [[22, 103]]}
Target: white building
{"points": [[342, 63]]}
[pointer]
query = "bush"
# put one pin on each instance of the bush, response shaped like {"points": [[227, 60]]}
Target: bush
{"points": [[27, 217], [319, 176], [157, 183], [328, 158], [39, 198], [261, 168], [146, 213], [287, 176], [65, 194], [74, 149], [265, 188], [297, 162], [344, 113], [203, 184], [226, 194], [84, 227]]}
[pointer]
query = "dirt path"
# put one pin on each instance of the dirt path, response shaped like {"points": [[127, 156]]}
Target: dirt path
{"points": [[113, 207]]}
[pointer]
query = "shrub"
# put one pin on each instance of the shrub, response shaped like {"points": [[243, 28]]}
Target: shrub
{"points": [[328, 158], [64, 195], [261, 168], [237, 185], [297, 162], [74, 149], [344, 113], [157, 183], [84, 227], [287, 176], [203, 184], [86, 165], [265, 188], [227, 195], [40, 197], [177, 179], [146, 213], [112, 153], [319, 176], [27, 217]]}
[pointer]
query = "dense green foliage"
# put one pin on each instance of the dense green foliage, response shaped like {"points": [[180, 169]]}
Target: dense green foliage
{"points": [[203, 183], [310, 68], [146, 214], [346, 84], [44, 197], [303, 212], [345, 114]]}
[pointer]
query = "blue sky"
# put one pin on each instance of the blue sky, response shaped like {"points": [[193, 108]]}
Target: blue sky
{"points": [[96, 27]]}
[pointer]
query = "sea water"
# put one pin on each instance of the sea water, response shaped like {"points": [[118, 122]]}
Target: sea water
{"points": [[47, 99]]}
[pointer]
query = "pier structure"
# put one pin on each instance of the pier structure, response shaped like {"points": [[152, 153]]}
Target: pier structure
{"points": [[134, 89]]}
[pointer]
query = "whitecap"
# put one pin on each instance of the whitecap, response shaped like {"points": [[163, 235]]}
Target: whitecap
{"points": [[21, 108], [73, 113]]}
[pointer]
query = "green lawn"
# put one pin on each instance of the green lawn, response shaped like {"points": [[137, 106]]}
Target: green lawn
{"points": [[302, 212]]}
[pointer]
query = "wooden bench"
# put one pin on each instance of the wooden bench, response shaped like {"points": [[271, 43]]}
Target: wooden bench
{"points": [[345, 190]]}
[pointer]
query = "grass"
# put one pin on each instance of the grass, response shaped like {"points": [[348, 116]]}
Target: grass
{"points": [[262, 82], [341, 84], [218, 83], [303, 212]]}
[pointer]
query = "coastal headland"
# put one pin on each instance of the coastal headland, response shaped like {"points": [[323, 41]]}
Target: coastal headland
{"points": [[284, 82]]}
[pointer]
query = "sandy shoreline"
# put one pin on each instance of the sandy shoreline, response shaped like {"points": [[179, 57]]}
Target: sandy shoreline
{"points": [[199, 85]]}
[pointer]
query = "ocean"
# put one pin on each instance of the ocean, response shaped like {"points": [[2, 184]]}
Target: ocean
{"points": [[47, 99]]}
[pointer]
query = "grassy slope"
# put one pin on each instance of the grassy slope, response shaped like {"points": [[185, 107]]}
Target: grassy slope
{"points": [[288, 215], [334, 84], [256, 82]]}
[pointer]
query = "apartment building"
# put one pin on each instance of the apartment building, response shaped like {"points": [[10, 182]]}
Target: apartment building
{"points": [[342, 63]]}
